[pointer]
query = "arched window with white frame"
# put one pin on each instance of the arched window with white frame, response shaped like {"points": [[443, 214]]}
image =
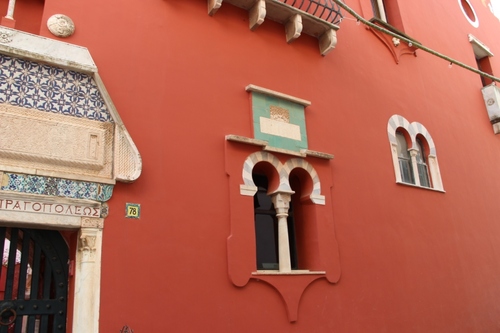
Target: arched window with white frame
{"points": [[414, 154], [422, 168]]}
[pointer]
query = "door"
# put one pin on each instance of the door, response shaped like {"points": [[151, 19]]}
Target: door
{"points": [[33, 281]]}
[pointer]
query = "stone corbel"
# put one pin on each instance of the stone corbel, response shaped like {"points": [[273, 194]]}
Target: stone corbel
{"points": [[257, 14], [213, 6], [327, 41], [293, 28]]}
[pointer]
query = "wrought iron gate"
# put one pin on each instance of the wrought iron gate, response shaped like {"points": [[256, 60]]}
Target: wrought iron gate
{"points": [[33, 281]]}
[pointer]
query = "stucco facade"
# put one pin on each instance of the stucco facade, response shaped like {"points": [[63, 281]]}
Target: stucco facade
{"points": [[158, 137]]}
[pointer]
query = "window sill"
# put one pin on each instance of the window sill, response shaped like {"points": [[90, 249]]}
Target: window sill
{"points": [[422, 187], [266, 147], [293, 272]]}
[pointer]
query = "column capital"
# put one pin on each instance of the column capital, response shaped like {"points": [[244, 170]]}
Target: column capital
{"points": [[281, 201]]}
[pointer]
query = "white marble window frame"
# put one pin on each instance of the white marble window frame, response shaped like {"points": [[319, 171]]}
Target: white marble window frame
{"points": [[398, 122]]}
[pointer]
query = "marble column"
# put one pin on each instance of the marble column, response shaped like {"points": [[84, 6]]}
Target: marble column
{"points": [[88, 276], [281, 201]]}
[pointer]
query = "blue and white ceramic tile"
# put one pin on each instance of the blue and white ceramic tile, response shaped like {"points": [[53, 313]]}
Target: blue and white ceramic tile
{"points": [[16, 183], [105, 193], [67, 188], [50, 186], [58, 187], [35, 86], [35, 184]]}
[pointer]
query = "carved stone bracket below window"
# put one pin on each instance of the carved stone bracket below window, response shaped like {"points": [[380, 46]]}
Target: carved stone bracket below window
{"points": [[290, 287]]}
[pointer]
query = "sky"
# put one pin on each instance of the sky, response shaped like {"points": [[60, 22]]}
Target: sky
{"points": [[495, 4]]}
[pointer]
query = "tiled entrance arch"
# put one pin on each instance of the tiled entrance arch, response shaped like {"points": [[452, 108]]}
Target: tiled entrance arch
{"points": [[63, 146]]}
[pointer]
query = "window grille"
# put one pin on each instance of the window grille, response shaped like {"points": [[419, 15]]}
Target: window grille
{"points": [[404, 159], [423, 172], [406, 170]]}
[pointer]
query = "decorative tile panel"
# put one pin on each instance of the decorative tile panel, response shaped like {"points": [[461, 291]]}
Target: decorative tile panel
{"points": [[280, 122], [46, 88], [56, 187]]}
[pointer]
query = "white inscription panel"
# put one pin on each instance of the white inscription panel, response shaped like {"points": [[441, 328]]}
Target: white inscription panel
{"points": [[280, 128]]}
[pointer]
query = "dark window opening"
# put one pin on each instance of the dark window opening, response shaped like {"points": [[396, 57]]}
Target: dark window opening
{"points": [[468, 10], [266, 228], [377, 11], [484, 65], [387, 13]]}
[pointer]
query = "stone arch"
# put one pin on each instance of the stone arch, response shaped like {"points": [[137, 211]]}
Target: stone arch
{"points": [[249, 164], [248, 187], [420, 129], [315, 195], [413, 129], [395, 122]]}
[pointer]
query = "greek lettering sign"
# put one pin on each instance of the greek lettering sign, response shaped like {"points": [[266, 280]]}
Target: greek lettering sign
{"points": [[49, 208]]}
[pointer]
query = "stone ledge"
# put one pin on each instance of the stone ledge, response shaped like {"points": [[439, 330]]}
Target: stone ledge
{"points": [[25, 45], [266, 147], [265, 91], [422, 187], [293, 272]]}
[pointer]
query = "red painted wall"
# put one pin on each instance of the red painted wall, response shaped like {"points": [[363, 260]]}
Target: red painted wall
{"points": [[412, 260]]}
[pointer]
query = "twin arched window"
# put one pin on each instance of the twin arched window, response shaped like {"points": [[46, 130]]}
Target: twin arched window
{"points": [[414, 154]]}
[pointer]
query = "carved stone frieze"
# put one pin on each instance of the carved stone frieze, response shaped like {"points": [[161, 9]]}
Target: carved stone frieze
{"points": [[5, 36], [92, 223], [53, 142]]}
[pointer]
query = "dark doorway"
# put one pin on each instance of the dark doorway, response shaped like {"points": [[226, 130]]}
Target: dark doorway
{"points": [[33, 281]]}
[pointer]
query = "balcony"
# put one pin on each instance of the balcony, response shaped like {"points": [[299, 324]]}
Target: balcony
{"points": [[317, 18]]}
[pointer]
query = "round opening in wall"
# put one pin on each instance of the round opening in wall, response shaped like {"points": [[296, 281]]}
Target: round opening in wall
{"points": [[469, 12]]}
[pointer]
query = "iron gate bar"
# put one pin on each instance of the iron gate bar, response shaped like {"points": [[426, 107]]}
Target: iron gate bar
{"points": [[23, 269], [35, 276], [47, 281], [11, 264], [21, 289]]}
